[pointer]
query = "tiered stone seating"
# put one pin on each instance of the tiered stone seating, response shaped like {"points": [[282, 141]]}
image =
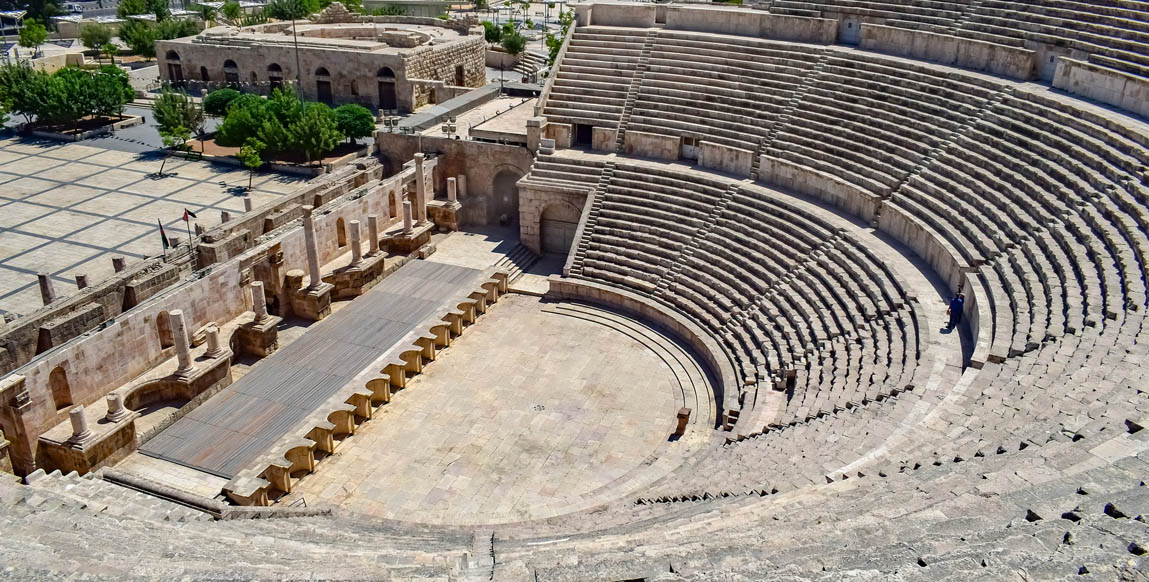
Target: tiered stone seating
{"points": [[590, 88], [725, 90], [912, 14], [869, 121], [1114, 36]]}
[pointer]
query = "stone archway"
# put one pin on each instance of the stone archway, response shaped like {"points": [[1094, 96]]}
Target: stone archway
{"points": [[557, 226]]}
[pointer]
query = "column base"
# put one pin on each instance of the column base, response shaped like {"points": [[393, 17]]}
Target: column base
{"points": [[259, 338], [406, 243], [314, 302]]}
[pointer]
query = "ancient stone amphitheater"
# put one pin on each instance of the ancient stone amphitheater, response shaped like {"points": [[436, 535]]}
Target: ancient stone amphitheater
{"points": [[798, 211]]}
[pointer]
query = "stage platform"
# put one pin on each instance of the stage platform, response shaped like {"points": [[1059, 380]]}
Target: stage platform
{"points": [[233, 428]]}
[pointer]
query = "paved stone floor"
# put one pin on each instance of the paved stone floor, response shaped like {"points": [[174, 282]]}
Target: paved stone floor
{"points": [[528, 415], [68, 208]]}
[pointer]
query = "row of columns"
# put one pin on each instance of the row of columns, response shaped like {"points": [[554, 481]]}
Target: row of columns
{"points": [[48, 292]]}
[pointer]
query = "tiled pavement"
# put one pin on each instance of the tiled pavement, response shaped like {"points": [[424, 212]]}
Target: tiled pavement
{"points": [[68, 208], [528, 415]]}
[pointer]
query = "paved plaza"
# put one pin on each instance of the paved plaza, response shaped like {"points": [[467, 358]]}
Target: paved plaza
{"points": [[66, 209], [519, 419]]}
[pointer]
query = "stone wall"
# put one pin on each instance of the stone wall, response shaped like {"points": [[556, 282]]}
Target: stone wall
{"points": [[532, 202], [1007, 61], [439, 62], [751, 23], [1108, 86], [480, 162]]}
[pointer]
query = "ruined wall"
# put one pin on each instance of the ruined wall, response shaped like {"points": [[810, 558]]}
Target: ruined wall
{"points": [[439, 62], [480, 162]]}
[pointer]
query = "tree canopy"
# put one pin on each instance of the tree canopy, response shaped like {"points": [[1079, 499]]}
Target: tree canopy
{"points": [[65, 96], [354, 121], [514, 43], [94, 36], [175, 109], [216, 102], [33, 34]]}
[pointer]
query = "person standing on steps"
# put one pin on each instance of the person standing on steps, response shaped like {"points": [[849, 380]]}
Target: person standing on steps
{"points": [[955, 310]]}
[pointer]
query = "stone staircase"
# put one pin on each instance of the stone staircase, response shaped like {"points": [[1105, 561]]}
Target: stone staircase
{"points": [[517, 262], [592, 218], [668, 279], [632, 91]]}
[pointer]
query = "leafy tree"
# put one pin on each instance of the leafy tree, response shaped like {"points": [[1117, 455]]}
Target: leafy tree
{"points": [[480, 4], [160, 9], [249, 155], [110, 50], [285, 106], [95, 36], [216, 102], [207, 13], [514, 43], [71, 95], [491, 33], [390, 10], [111, 91], [23, 89], [555, 42], [175, 139], [174, 109], [40, 10], [291, 9], [232, 10], [245, 117], [354, 121], [316, 132], [128, 8], [169, 29], [33, 35], [274, 136], [140, 36]]}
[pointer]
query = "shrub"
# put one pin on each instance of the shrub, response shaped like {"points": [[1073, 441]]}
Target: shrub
{"points": [[216, 102]]}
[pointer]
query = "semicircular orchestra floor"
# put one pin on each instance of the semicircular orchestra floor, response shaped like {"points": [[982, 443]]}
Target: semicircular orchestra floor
{"points": [[532, 413]]}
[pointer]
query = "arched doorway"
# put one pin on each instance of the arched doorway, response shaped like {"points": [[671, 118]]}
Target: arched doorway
{"points": [[557, 226], [203, 75], [275, 75], [61, 391], [387, 100], [323, 85], [341, 232], [175, 69], [230, 72], [505, 196]]}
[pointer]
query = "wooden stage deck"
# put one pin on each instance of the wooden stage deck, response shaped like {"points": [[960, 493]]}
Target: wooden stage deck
{"points": [[234, 427]]}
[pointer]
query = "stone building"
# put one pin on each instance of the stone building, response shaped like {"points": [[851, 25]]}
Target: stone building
{"points": [[382, 62]]}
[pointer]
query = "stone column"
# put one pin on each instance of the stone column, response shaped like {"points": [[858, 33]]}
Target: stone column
{"points": [[80, 432], [461, 185], [116, 410], [420, 191], [312, 249], [408, 227], [373, 234], [81, 281], [118, 263], [224, 216], [452, 195], [214, 350], [247, 203], [258, 301], [47, 293], [183, 345], [356, 243]]}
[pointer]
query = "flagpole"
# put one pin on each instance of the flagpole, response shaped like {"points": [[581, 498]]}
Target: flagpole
{"points": [[187, 223], [164, 239]]}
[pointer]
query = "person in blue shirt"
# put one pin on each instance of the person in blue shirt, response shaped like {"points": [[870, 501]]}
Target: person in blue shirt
{"points": [[955, 309]]}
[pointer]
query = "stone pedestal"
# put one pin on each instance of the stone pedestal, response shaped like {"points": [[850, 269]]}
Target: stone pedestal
{"points": [[683, 420], [89, 440], [445, 215], [405, 243], [259, 337], [313, 302]]}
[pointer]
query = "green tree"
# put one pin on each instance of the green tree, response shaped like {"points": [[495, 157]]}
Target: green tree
{"points": [[160, 9], [175, 139], [555, 42], [128, 8], [245, 117], [274, 136], [174, 109], [33, 35], [354, 121], [491, 33], [390, 10], [291, 9], [140, 36], [249, 155], [316, 132], [169, 29], [480, 4], [40, 10], [285, 105], [216, 102], [23, 89], [207, 13], [95, 36], [110, 50], [514, 43], [111, 91], [71, 96], [232, 10]]}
